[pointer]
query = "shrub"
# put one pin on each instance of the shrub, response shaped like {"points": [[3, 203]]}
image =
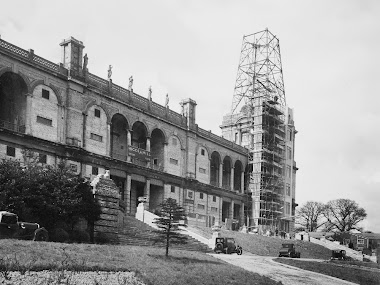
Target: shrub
{"points": [[59, 235], [101, 238], [80, 236]]}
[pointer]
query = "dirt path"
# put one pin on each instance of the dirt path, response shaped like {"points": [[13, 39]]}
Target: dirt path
{"points": [[288, 275]]}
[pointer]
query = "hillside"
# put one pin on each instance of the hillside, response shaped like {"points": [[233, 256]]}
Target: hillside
{"points": [[268, 246]]}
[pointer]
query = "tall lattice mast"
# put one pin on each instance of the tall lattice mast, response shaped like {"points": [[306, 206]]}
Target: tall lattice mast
{"points": [[259, 93]]}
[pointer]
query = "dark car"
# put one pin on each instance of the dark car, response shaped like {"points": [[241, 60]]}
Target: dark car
{"points": [[227, 245], [10, 227], [289, 250], [339, 254]]}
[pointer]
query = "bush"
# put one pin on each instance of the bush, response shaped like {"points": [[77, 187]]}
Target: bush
{"points": [[79, 236], [59, 235], [101, 238]]}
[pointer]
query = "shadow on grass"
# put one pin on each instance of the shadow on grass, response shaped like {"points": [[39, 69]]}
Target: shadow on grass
{"points": [[184, 260]]}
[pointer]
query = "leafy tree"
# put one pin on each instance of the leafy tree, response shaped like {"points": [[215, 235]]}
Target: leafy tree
{"points": [[45, 194], [343, 215], [171, 216], [310, 216]]}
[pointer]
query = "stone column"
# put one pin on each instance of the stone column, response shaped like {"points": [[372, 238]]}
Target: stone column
{"points": [[232, 206], [220, 209], [221, 175], [148, 143], [108, 143], [28, 115], [242, 182], [84, 130], [111, 140], [232, 179], [148, 163], [127, 193], [242, 214], [129, 142], [147, 193]]}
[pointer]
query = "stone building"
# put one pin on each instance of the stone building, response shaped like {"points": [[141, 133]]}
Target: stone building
{"points": [[62, 111]]}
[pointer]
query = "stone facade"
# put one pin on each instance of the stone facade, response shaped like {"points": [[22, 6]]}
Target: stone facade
{"points": [[62, 111]]}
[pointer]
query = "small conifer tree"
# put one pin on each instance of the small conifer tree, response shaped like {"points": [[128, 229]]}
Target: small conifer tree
{"points": [[172, 216]]}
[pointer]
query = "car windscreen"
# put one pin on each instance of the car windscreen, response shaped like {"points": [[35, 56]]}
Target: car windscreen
{"points": [[9, 219]]}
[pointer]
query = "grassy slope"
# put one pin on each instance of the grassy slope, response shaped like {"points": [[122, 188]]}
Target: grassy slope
{"points": [[270, 246], [150, 264], [356, 272]]}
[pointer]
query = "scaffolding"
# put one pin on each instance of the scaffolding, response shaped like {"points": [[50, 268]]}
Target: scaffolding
{"points": [[259, 92]]}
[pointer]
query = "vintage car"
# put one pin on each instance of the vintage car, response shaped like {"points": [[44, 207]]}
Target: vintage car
{"points": [[227, 245], [339, 254], [10, 227], [289, 250]]}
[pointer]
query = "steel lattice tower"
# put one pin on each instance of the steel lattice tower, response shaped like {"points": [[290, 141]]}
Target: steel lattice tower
{"points": [[259, 93]]}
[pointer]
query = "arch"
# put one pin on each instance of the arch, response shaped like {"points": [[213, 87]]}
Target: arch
{"points": [[23, 76], [57, 92], [13, 89], [35, 83], [248, 169], [199, 146], [157, 146], [238, 169], [119, 137], [215, 168], [139, 134], [227, 165]]}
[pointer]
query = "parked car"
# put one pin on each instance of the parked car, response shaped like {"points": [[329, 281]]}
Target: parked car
{"points": [[10, 227], [227, 245], [339, 254], [289, 250]]}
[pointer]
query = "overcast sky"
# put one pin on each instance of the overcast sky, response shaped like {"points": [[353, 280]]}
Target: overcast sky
{"points": [[330, 56]]}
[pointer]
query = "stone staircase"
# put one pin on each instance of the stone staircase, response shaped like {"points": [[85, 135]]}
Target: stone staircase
{"points": [[135, 232]]}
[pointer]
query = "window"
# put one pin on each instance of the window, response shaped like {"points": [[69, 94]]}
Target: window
{"points": [[174, 141], [360, 241], [11, 151], [202, 170], [174, 161], [288, 171], [201, 206], [45, 94], [290, 135], [214, 198], [202, 152], [97, 113], [42, 158], [74, 167], [190, 194], [287, 189], [155, 161], [172, 188], [44, 121], [214, 209], [95, 170], [287, 208], [200, 195], [236, 137], [289, 153], [96, 137]]}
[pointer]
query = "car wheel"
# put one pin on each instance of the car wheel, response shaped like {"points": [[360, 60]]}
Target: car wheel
{"points": [[219, 247], [41, 235]]}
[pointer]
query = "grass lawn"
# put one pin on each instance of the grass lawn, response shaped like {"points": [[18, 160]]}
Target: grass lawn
{"points": [[270, 246], [366, 273], [150, 264]]}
